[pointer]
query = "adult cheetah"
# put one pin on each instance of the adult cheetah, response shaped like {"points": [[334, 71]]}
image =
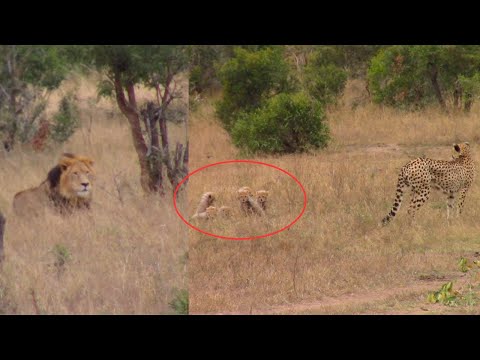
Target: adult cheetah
{"points": [[453, 177]]}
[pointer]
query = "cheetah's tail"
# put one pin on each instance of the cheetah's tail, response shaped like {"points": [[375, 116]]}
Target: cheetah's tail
{"points": [[398, 200]]}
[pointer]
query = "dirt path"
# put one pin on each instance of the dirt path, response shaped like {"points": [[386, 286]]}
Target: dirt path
{"points": [[364, 302], [382, 148], [404, 300]]}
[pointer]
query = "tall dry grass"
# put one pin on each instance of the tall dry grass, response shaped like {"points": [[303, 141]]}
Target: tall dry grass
{"points": [[285, 201], [126, 256], [359, 122], [336, 248]]}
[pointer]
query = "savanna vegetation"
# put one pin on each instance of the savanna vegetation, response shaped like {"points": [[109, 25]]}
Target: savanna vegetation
{"points": [[382, 106], [125, 107]]}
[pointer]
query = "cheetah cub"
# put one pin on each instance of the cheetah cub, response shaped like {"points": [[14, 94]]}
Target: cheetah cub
{"points": [[209, 213], [262, 196], [248, 204], [225, 212], [206, 200]]}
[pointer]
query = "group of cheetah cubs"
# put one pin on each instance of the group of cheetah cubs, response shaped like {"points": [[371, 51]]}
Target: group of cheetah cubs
{"points": [[250, 204]]}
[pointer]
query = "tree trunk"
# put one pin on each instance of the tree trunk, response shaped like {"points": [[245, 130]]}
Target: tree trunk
{"points": [[457, 96], [129, 109], [436, 86], [154, 153], [468, 102], [2, 232]]}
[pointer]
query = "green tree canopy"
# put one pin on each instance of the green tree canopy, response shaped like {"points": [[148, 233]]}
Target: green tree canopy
{"points": [[249, 78], [27, 73], [413, 76]]}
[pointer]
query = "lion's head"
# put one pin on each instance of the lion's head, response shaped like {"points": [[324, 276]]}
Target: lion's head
{"points": [[73, 177], [68, 186]]}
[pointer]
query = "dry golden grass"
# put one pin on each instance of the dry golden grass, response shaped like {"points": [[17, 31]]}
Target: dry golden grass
{"points": [[369, 124], [336, 248], [125, 256]]}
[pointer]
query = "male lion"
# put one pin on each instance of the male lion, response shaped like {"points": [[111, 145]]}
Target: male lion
{"points": [[68, 186]]}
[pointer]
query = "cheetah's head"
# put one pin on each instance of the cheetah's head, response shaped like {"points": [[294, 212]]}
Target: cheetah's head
{"points": [[243, 195], [262, 196], [211, 212], [462, 149]]}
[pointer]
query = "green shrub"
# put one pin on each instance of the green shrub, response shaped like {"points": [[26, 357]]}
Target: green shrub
{"points": [[287, 123], [61, 254], [65, 121], [326, 82], [180, 302], [249, 78]]}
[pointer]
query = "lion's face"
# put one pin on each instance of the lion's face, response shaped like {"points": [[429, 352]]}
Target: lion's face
{"points": [[77, 177]]}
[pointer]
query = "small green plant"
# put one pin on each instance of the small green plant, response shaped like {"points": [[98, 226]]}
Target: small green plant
{"points": [[445, 295], [62, 255], [463, 265], [65, 121], [180, 302]]}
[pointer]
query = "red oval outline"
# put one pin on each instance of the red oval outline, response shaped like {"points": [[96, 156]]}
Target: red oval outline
{"points": [[240, 161]]}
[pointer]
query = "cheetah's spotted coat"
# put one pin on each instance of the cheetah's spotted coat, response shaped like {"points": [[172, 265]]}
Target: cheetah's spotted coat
{"points": [[453, 177]]}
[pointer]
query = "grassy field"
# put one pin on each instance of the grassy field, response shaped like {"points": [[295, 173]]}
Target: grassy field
{"points": [[284, 204], [126, 256], [336, 250]]}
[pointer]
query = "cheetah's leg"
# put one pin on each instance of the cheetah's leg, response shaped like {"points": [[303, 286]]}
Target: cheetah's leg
{"points": [[420, 196], [461, 200], [450, 203]]}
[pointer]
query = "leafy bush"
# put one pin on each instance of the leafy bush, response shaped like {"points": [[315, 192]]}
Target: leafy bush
{"points": [[65, 121], [249, 78], [326, 82], [287, 123]]}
